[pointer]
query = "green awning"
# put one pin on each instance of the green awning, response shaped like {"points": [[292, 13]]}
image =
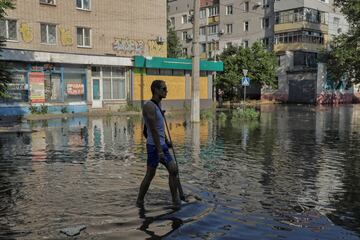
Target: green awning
{"points": [[176, 63]]}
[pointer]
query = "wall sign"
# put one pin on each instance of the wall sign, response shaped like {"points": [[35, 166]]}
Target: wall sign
{"points": [[37, 90], [26, 32], [129, 46], [75, 88], [66, 38]]}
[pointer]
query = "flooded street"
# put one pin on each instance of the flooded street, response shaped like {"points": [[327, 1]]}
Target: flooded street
{"points": [[295, 174]]}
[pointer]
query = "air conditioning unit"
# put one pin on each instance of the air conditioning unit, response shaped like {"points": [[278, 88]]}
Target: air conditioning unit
{"points": [[160, 39], [189, 37], [221, 31]]}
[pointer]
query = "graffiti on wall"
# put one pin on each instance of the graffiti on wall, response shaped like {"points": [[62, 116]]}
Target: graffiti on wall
{"points": [[129, 46], [66, 38], [26, 32], [156, 49]]}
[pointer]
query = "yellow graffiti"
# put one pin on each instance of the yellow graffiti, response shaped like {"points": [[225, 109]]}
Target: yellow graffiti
{"points": [[156, 49], [66, 38], [26, 32]]}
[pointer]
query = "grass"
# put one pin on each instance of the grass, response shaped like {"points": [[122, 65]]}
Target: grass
{"points": [[247, 113]]}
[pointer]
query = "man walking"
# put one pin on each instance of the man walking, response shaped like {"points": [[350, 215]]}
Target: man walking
{"points": [[157, 148]]}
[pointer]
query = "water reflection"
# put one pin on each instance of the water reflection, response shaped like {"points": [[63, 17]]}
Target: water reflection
{"points": [[294, 173]]}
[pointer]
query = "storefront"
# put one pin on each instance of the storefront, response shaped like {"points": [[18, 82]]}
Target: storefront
{"points": [[68, 83], [177, 75]]}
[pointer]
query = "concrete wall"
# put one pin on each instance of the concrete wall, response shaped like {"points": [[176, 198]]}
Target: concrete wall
{"points": [[137, 22]]}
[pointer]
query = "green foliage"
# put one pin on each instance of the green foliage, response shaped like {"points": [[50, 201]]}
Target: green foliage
{"points": [[207, 114], [173, 43], [64, 109], [222, 117], [260, 62], [43, 109], [186, 107], [33, 109], [342, 58], [5, 76], [248, 113]]}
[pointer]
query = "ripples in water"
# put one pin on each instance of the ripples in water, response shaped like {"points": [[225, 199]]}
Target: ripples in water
{"points": [[292, 175]]}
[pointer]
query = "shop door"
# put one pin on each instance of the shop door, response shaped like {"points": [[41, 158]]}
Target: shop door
{"points": [[96, 90]]}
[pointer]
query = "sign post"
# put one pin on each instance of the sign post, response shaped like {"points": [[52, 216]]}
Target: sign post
{"points": [[245, 81]]}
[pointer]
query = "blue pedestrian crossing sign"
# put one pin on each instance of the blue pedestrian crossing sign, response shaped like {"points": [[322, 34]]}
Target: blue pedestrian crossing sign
{"points": [[245, 81]]}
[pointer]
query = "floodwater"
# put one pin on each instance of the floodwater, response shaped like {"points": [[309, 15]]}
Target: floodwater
{"points": [[295, 174]]}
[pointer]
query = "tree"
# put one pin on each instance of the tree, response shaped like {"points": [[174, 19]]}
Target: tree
{"points": [[343, 56], [261, 65], [173, 43], [4, 73]]}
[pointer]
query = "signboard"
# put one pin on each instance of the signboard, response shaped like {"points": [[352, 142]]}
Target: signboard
{"points": [[245, 81], [37, 90], [75, 88]]}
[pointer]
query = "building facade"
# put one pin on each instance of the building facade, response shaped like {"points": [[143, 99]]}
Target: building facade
{"points": [[76, 56], [295, 30]]}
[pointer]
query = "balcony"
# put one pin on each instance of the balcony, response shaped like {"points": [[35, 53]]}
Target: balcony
{"points": [[293, 26], [311, 47], [213, 19]]}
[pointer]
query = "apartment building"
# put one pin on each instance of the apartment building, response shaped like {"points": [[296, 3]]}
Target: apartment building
{"points": [[180, 14], [76, 55], [295, 29]]}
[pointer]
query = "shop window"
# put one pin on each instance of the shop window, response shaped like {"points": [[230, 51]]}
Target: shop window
{"points": [[8, 29], [48, 33], [114, 83], [83, 4], [74, 86], [177, 72], [203, 73], [152, 71], [83, 37], [166, 72], [18, 88]]}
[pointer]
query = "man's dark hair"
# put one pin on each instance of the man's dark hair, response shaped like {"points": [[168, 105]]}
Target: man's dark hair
{"points": [[156, 84]]}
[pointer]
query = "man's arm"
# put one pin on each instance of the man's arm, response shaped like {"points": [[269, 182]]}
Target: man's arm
{"points": [[149, 112]]}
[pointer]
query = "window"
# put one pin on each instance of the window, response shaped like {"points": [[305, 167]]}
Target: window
{"points": [[299, 36], [8, 29], [213, 29], [48, 33], [265, 23], [228, 44], [83, 37], [229, 10], [172, 21], [229, 28], [265, 3], [202, 31], [245, 43], [184, 19], [203, 13], [336, 21], [184, 36], [52, 2], [246, 26], [214, 11], [202, 47], [113, 83], [83, 4], [184, 51], [246, 6], [308, 59]]}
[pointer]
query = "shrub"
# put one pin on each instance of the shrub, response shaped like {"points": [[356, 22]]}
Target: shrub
{"points": [[207, 114], [222, 117], [248, 113], [33, 109], [43, 109]]}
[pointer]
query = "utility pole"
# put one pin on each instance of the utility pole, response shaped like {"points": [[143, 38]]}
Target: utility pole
{"points": [[195, 85]]}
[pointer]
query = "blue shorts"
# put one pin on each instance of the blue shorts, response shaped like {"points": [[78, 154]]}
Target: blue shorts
{"points": [[153, 158]]}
